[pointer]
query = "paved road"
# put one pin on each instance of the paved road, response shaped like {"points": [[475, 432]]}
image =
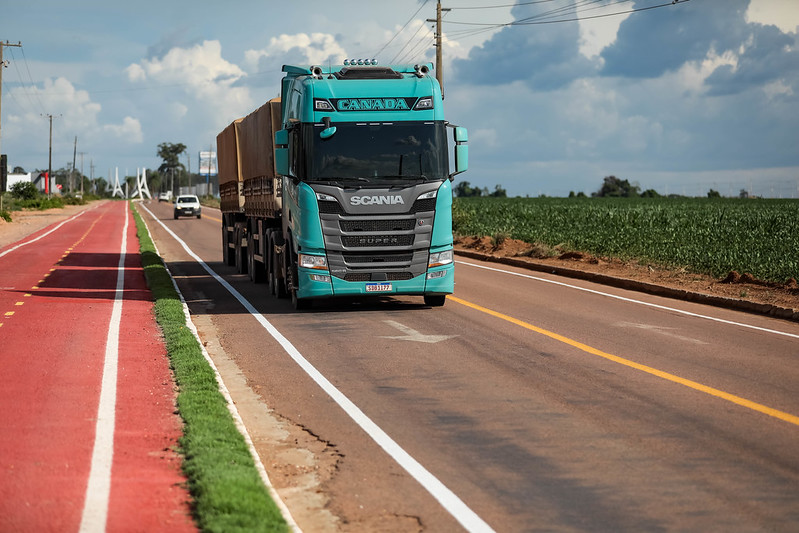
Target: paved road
{"points": [[87, 423], [540, 403]]}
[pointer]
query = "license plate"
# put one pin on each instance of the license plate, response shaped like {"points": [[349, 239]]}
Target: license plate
{"points": [[378, 287]]}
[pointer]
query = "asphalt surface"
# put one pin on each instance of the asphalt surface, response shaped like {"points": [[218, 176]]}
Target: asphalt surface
{"points": [[541, 403], [88, 428]]}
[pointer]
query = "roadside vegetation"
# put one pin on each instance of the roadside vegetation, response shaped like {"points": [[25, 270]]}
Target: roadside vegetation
{"points": [[25, 195], [227, 491], [707, 235]]}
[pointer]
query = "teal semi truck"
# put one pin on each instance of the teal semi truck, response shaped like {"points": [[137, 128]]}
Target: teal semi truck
{"points": [[342, 185]]}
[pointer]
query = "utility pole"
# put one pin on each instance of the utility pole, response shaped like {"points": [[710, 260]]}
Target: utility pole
{"points": [[2, 66], [72, 174], [81, 173], [439, 60], [50, 158]]}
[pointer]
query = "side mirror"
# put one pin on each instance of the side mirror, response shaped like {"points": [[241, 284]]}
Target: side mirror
{"points": [[282, 152], [329, 130], [461, 137]]}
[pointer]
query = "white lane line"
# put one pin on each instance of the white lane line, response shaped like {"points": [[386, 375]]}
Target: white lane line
{"points": [[448, 499], [630, 300], [20, 245], [98, 490], [234, 412]]}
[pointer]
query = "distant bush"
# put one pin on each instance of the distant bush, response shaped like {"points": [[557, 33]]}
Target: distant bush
{"points": [[24, 190], [41, 203]]}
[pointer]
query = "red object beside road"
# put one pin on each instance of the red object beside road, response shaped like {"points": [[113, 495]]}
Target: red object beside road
{"points": [[56, 300]]}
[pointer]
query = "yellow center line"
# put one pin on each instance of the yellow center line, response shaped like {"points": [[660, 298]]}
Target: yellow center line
{"points": [[786, 417], [212, 218]]}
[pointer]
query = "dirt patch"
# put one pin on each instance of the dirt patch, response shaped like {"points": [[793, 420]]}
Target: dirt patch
{"points": [[24, 223], [735, 286]]}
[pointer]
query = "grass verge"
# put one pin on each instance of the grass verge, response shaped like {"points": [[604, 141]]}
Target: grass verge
{"points": [[228, 492]]}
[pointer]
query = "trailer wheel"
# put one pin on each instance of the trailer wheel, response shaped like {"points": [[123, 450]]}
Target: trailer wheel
{"points": [[256, 269], [228, 254], [268, 260], [240, 254]]}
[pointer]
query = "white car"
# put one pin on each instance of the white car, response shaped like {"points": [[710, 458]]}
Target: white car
{"points": [[187, 205], [165, 196]]}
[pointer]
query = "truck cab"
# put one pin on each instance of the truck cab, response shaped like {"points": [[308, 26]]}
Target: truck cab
{"points": [[365, 167]]}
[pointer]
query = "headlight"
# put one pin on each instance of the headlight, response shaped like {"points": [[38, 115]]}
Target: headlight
{"points": [[439, 259], [428, 195], [318, 262]]}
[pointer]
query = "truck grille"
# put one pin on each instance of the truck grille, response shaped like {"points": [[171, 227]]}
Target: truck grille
{"points": [[366, 276], [357, 241], [352, 259], [350, 226]]}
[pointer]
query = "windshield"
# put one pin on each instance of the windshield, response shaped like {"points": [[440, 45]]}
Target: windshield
{"points": [[377, 152]]}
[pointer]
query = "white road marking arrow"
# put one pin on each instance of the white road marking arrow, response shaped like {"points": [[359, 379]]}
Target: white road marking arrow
{"points": [[668, 332], [413, 335]]}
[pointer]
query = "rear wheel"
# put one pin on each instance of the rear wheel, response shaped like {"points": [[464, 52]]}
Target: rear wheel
{"points": [[268, 261], [255, 268], [228, 253], [240, 252]]}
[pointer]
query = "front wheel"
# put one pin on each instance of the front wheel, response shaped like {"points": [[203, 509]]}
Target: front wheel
{"points": [[299, 304], [435, 300]]}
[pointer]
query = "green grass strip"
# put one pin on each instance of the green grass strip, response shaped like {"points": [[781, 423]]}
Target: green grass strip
{"points": [[228, 493]]}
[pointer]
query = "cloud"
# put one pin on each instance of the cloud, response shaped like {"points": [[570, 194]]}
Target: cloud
{"points": [[200, 65], [725, 99], [130, 130], [545, 57], [201, 73], [767, 56], [650, 44], [299, 48], [74, 113]]}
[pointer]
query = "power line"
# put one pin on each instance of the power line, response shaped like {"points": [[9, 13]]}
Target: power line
{"points": [[30, 78], [401, 29], [422, 39], [541, 17]]}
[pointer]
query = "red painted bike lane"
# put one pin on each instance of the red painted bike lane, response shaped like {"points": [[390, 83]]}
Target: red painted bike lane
{"points": [[57, 299]]}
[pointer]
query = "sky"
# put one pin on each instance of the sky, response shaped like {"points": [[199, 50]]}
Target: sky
{"points": [[681, 99]]}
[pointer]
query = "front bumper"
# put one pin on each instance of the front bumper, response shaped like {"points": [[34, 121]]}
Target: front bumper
{"points": [[319, 284]]}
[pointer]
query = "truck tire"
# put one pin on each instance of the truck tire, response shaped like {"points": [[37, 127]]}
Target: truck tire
{"points": [[241, 253], [228, 256], [255, 268], [278, 285], [435, 300], [268, 260], [300, 304]]}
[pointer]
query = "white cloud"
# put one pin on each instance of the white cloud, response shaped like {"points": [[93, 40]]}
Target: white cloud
{"points": [[597, 34], [200, 64], [129, 131], [692, 75], [316, 48], [781, 13], [204, 75]]}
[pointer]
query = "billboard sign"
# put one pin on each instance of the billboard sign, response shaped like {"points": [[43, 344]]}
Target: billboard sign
{"points": [[208, 164]]}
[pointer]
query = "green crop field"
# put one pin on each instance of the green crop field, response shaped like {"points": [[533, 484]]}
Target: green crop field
{"points": [[713, 236]]}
